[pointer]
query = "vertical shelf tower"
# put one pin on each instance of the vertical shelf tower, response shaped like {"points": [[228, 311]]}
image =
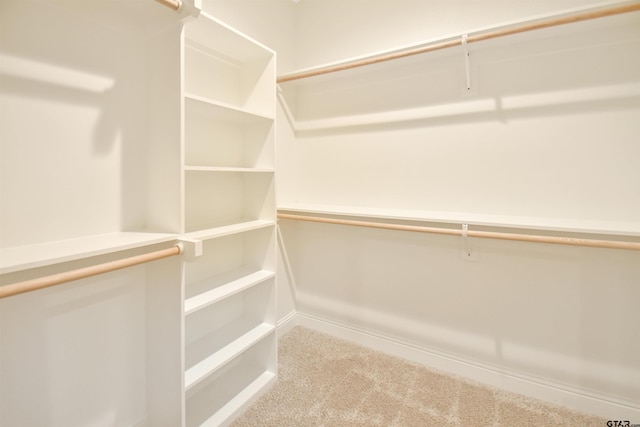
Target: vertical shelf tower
{"points": [[228, 203]]}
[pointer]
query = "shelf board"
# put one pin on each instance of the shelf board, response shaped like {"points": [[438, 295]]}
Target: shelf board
{"points": [[217, 293], [193, 168], [224, 111], [243, 398], [26, 257], [568, 225], [228, 41], [215, 361], [227, 229]]}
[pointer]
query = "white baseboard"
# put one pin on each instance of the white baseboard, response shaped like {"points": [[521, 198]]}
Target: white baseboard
{"points": [[287, 323], [602, 406]]}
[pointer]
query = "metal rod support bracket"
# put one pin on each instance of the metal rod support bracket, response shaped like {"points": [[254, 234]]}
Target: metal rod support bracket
{"points": [[467, 253], [467, 66]]}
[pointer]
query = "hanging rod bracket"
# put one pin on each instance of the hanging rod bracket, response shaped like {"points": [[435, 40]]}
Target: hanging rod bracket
{"points": [[467, 67], [468, 254], [190, 248]]}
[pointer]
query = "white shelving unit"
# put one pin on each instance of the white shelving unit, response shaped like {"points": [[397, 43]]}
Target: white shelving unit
{"points": [[91, 167], [229, 204], [127, 149], [232, 386]]}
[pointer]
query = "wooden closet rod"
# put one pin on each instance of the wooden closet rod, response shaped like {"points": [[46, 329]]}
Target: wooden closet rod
{"points": [[173, 4], [486, 35], [471, 233], [82, 273]]}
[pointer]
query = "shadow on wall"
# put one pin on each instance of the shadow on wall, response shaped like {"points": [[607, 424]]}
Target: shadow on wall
{"points": [[75, 106]]}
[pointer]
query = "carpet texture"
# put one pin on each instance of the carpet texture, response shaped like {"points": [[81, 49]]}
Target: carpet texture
{"points": [[324, 381]]}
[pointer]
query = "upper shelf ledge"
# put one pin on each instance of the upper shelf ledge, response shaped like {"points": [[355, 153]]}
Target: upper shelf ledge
{"points": [[19, 258]]}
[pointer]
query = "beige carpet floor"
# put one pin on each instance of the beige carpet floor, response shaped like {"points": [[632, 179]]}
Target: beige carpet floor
{"points": [[324, 381]]}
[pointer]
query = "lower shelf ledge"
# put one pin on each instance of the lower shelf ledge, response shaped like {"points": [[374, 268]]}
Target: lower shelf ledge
{"points": [[228, 289], [562, 225], [227, 229], [241, 400], [202, 370]]}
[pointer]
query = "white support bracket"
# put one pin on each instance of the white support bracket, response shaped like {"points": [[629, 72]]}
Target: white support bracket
{"points": [[467, 66], [190, 248], [468, 253]]}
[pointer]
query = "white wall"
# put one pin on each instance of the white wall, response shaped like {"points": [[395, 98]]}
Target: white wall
{"points": [[71, 107], [74, 355], [271, 22], [549, 131], [52, 78], [333, 30], [525, 141], [552, 315], [548, 134], [558, 316], [74, 156]]}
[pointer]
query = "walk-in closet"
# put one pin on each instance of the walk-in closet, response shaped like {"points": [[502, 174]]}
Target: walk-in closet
{"points": [[319, 212]]}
